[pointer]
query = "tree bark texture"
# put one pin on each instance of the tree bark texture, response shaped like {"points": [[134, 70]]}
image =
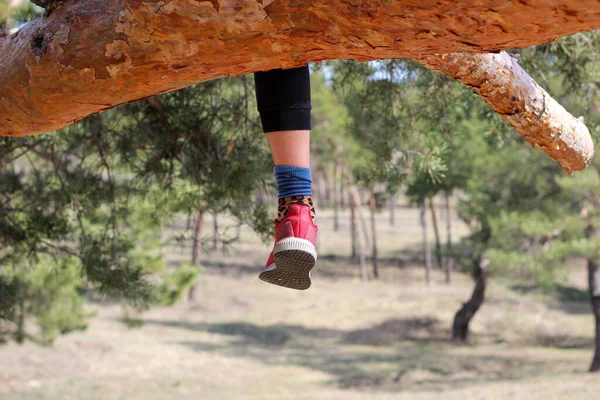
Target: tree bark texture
{"points": [[86, 56], [462, 319], [426, 247], [436, 231], [519, 100]]}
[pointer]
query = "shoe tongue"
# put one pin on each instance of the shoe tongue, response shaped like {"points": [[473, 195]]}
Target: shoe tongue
{"points": [[294, 209]]}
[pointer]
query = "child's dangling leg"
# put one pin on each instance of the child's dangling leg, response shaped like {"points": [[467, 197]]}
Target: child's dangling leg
{"points": [[283, 98]]}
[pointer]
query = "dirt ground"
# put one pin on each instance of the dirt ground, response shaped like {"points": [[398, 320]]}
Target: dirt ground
{"points": [[342, 339]]}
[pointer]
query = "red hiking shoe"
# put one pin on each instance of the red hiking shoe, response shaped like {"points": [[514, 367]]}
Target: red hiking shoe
{"points": [[294, 254]]}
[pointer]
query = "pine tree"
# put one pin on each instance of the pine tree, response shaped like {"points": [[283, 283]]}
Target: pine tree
{"points": [[529, 217], [94, 198]]}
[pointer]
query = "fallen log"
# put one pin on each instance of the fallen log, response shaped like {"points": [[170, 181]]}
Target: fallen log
{"points": [[86, 56]]}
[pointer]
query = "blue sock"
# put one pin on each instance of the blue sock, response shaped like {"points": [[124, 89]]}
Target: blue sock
{"points": [[293, 181]]}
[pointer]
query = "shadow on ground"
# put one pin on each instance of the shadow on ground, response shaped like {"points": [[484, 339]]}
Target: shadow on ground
{"points": [[329, 266], [570, 299], [564, 342], [394, 355]]}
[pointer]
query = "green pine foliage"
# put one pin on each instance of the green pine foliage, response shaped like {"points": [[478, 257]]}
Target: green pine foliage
{"points": [[175, 283], [89, 203], [33, 289], [531, 219]]}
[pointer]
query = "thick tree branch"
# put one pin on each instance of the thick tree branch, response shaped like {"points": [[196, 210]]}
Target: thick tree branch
{"points": [[86, 56], [513, 94]]}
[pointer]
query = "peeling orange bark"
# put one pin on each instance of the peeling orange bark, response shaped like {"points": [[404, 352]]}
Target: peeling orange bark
{"points": [[86, 56], [519, 100]]}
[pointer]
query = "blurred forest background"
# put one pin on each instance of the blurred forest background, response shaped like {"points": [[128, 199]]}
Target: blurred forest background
{"points": [[454, 258]]}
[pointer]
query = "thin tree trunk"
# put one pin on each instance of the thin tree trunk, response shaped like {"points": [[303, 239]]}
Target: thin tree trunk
{"points": [[359, 234], [4, 31], [392, 210], [336, 198], [448, 264], [322, 189], [363, 220], [342, 168], [6, 18], [438, 246], [594, 294], [462, 319], [20, 333], [216, 237], [426, 249], [353, 223], [372, 206], [196, 253], [329, 182], [315, 178], [238, 232], [196, 239], [188, 222], [594, 290]]}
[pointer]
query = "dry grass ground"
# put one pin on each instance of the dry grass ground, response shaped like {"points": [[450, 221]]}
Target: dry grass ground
{"points": [[342, 339]]}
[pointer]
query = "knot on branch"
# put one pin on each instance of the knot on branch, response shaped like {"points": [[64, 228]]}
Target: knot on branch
{"points": [[39, 43]]}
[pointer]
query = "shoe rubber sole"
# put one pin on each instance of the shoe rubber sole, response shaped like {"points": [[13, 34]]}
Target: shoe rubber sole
{"points": [[294, 259]]}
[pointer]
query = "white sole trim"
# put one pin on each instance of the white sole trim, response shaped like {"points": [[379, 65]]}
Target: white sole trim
{"points": [[270, 268], [296, 244]]}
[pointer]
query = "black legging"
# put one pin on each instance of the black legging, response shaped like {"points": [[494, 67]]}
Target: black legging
{"points": [[283, 98]]}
